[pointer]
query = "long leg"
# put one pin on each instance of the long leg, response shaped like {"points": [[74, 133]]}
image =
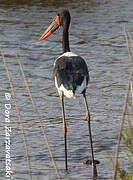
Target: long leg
{"points": [[94, 169], [64, 126]]}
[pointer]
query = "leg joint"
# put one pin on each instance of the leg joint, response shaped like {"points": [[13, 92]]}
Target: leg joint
{"points": [[64, 129], [87, 115]]}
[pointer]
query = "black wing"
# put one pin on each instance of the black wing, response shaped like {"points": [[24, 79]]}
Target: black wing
{"points": [[70, 71]]}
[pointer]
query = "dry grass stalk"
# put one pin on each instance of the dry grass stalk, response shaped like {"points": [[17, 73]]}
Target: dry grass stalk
{"points": [[39, 118], [128, 45], [131, 39], [130, 85], [18, 113], [120, 132]]}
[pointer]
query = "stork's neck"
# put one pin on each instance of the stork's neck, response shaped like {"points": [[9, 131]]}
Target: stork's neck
{"points": [[65, 40]]}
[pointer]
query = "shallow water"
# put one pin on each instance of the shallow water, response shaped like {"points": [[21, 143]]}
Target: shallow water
{"points": [[96, 33]]}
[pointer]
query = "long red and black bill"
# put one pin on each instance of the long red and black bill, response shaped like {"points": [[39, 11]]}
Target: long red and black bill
{"points": [[54, 25]]}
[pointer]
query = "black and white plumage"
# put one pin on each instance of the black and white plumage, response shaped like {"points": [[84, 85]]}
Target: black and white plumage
{"points": [[70, 74], [70, 71]]}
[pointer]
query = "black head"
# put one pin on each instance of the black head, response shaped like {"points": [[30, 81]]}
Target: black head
{"points": [[64, 18]]}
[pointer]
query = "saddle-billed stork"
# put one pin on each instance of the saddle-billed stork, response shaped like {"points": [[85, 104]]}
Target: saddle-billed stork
{"points": [[70, 74]]}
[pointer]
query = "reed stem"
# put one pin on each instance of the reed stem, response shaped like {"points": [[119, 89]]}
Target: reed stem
{"points": [[18, 113]]}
